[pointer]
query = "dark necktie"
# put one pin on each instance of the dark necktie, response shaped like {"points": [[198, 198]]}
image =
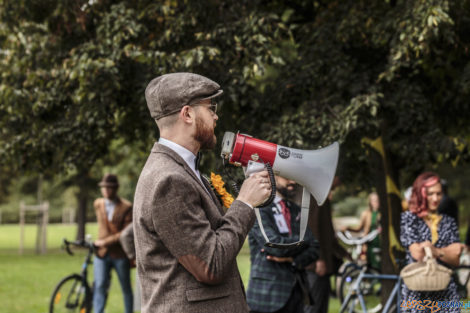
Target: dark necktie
{"points": [[197, 161], [286, 214]]}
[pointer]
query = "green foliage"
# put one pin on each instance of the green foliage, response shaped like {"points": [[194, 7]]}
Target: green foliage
{"points": [[350, 206], [300, 73]]}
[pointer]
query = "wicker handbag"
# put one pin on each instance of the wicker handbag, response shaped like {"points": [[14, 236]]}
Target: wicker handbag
{"points": [[426, 275]]}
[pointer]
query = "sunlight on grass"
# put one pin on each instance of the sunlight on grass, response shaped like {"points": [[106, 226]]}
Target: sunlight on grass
{"points": [[36, 275]]}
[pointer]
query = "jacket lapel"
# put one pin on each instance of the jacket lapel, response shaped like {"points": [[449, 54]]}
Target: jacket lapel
{"points": [[213, 195], [205, 186]]}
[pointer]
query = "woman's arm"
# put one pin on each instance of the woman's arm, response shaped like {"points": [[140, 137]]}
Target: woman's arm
{"points": [[362, 223], [449, 254]]}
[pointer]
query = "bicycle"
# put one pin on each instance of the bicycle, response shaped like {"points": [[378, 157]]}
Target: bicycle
{"points": [[350, 271], [73, 293], [357, 299]]}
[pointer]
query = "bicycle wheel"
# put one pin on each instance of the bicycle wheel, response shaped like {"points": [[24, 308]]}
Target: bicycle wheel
{"points": [[370, 289], [71, 295], [345, 267]]}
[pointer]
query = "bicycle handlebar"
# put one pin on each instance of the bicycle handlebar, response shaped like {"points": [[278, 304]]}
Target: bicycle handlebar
{"points": [[348, 239], [77, 243]]}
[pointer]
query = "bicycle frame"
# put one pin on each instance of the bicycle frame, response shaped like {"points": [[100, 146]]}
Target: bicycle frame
{"points": [[355, 291], [85, 244]]}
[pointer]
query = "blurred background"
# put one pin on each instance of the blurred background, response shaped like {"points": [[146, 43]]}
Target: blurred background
{"points": [[388, 79]]}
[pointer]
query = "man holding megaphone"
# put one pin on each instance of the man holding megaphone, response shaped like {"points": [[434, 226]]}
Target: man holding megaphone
{"points": [[186, 246]]}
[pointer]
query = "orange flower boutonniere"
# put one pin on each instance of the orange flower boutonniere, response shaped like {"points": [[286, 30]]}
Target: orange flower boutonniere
{"points": [[218, 185]]}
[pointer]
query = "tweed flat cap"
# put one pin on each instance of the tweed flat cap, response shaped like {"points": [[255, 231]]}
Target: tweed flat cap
{"points": [[168, 93]]}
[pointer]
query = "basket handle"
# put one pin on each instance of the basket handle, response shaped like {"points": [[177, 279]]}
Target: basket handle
{"points": [[428, 254], [430, 261]]}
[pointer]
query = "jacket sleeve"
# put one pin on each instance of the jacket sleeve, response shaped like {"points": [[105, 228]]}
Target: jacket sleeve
{"points": [[273, 234], [182, 225]]}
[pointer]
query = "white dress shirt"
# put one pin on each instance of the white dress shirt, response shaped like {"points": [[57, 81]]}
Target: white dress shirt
{"points": [[188, 157], [109, 207], [184, 153]]}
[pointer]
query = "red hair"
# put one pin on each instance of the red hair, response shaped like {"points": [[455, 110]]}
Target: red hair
{"points": [[418, 203]]}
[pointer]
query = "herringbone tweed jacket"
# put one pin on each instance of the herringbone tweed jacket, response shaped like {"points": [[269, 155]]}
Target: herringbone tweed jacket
{"points": [[271, 282], [186, 246]]}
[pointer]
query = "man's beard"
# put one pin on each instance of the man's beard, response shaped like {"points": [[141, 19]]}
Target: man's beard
{"points": [[285, 192], [204, 135]]}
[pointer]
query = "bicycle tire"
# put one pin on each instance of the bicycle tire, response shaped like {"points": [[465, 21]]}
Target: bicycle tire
{"points": [[370, 288], [345, 267], [71, 295]]}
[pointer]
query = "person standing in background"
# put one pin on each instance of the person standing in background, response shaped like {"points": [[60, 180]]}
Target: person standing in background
{"points": [[331, 254], [422, 226], [113, 214], [277, 277], [370, 220]]}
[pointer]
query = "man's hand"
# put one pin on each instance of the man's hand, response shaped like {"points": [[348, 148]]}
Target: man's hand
{"points": [[320, 268], [255, 189], [279, 259], [99, 243]]}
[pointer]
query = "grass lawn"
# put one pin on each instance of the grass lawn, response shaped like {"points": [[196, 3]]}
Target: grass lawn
{"points": [[27, 281]]}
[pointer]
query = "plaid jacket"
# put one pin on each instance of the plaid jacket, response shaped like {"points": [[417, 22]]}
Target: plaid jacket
{"points": [[271, 282]]}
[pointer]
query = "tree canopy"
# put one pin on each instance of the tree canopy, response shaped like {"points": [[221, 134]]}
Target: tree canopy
{"points": [[301, 73]]}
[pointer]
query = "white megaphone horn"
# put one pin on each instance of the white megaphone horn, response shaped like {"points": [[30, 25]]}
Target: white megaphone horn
{"points": [[313, 169]]}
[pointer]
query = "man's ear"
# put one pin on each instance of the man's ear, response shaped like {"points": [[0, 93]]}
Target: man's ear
{"points": [[187, 114]]}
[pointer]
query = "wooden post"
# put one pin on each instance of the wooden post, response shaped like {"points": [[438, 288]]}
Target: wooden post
{"points": [[39, 219], [42, 220], [45, 222], [21, 227]]}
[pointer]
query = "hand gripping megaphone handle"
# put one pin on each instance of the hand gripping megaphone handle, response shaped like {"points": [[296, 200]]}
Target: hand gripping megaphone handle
{"points": [[254, 167], [253, 170]]}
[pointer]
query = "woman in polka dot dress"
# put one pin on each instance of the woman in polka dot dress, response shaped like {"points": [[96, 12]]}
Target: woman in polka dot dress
{"points": [[422, 226]]}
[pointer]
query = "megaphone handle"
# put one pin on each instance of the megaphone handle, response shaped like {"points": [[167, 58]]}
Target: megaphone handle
{"points": [[273, 185]]}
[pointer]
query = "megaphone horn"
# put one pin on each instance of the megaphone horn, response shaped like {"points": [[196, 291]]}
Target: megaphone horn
{"points": [[313, 169]]}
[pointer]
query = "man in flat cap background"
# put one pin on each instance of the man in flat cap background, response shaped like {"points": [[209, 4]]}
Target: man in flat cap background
{"points": [[186, 246], [113, 215]]}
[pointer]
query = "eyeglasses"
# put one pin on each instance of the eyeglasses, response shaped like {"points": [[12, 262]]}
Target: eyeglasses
{"points": [[212, 106]]}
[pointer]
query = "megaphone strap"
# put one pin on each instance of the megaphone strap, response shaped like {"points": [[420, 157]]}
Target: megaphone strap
{"points": [[304, 213], [303, 224]]}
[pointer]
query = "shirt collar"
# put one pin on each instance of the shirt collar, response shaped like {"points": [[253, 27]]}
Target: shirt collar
{"points": [[184, 153]]}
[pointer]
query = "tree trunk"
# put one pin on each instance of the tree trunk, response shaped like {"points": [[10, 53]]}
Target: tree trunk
{"points": [[386, 182], [82, 195]]}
